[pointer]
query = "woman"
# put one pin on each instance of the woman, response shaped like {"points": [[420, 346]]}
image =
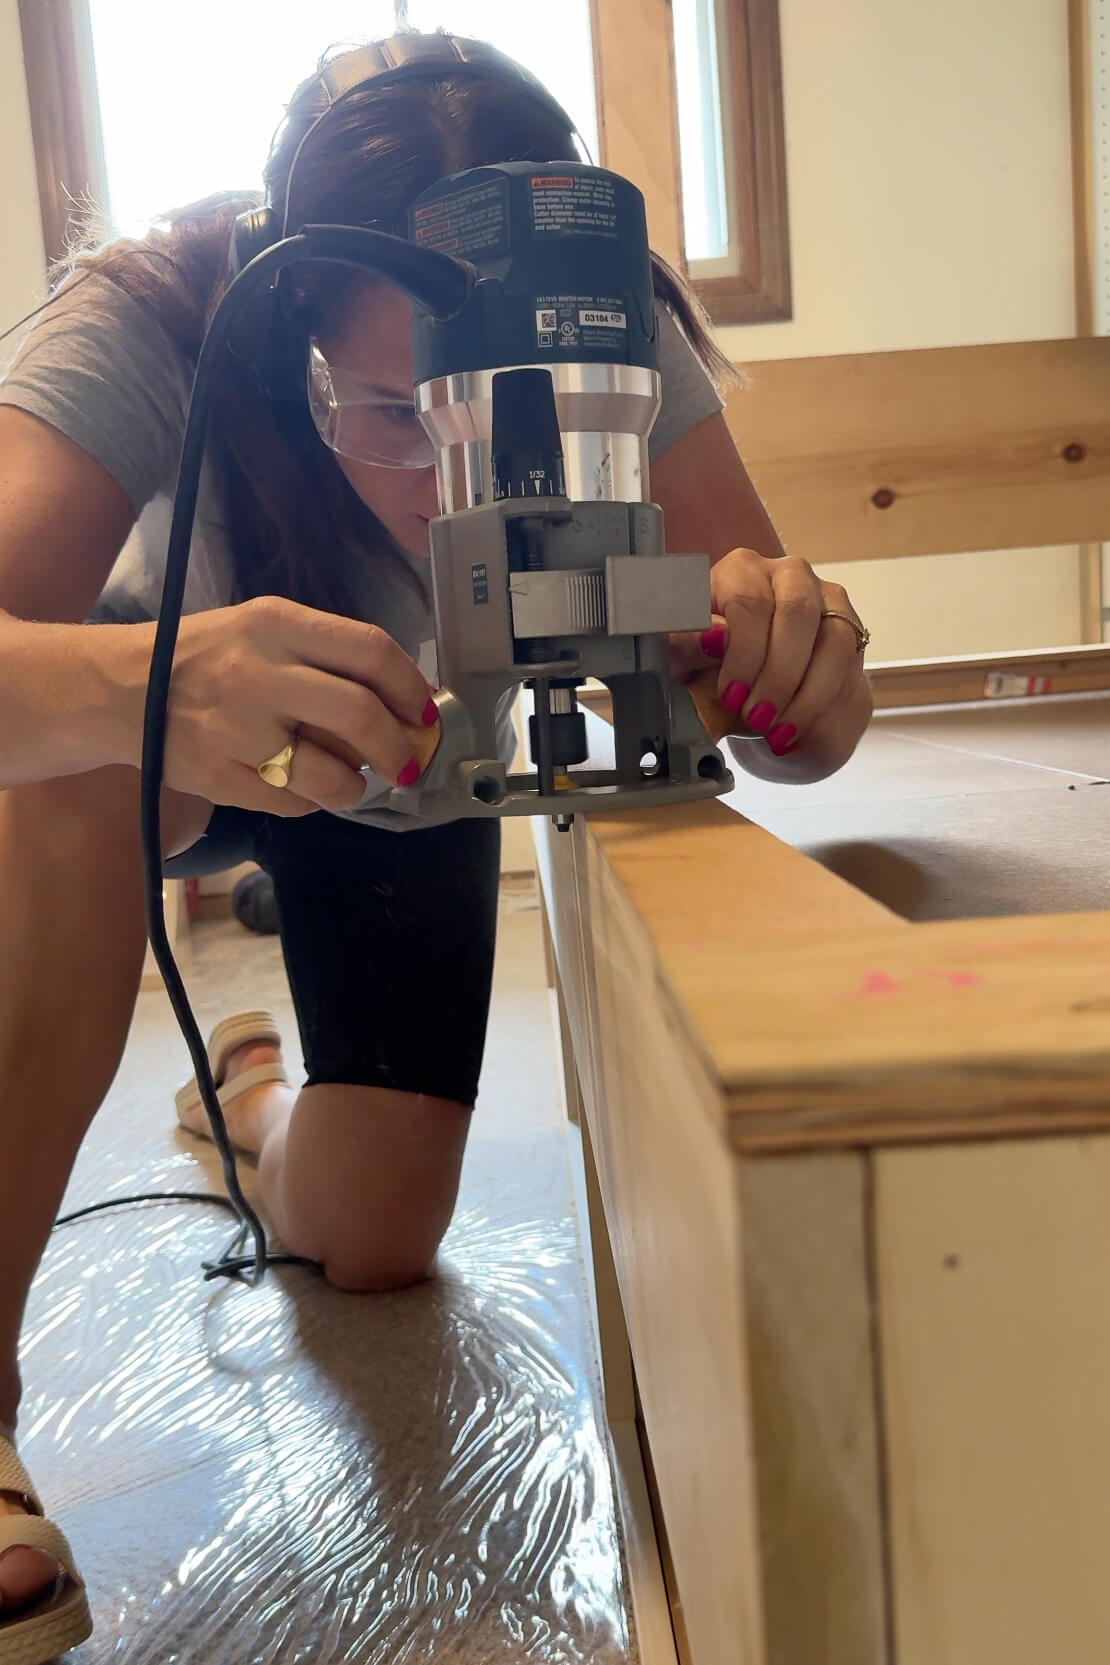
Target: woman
{"points": [[308, 613]]}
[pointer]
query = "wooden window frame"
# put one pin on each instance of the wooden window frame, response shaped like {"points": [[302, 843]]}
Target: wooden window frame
{"points": [[65, 120], [759, 292], [637, 112]]}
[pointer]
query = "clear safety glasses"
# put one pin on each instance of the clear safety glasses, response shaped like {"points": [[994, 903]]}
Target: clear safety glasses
{"points": [[359, 421]]}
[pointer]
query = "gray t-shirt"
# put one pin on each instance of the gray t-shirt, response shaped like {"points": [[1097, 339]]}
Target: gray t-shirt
{"points": [[97, 366]]}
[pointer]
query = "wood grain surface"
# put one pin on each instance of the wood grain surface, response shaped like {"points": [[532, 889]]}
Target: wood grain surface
{"points": [[815, 1405], [868, 456], [655, 1123]]}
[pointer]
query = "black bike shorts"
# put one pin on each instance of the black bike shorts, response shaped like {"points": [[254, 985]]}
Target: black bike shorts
{"points": [[388, 940]]}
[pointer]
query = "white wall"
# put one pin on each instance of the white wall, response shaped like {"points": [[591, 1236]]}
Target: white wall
{"points": [[22, 267], [930, 206]]}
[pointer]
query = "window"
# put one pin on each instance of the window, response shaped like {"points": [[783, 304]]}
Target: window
{"points": [[709, 215], [690, 106], [148, 106], [728, 83], [190, 94]]}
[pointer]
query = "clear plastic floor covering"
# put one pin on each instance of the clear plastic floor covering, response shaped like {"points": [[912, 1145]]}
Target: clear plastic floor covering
{"points": [[291, 1473]]}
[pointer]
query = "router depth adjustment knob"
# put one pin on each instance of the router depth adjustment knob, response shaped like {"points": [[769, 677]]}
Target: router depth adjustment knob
{"points": [[527, 446]]}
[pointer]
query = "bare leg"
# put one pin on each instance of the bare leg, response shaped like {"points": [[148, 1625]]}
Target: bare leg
{"points": [[72, 936], [363, 1179]]}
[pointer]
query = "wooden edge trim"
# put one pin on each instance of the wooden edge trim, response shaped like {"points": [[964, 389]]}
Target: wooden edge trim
{"points": [[1082, 171], [779, 1134]]}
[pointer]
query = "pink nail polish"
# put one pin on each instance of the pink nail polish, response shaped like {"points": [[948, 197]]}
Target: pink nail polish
{"points": [[780, 737], [761, 716], [735, 695], [430, 714], [714, 641], [409, 774]]}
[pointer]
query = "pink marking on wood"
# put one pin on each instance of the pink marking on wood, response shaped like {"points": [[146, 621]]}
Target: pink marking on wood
{"points": [[877, 982], [957, 979]]}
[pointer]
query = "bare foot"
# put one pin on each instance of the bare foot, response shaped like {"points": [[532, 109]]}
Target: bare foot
{"points": [[250, 1116], [25, 1573]]}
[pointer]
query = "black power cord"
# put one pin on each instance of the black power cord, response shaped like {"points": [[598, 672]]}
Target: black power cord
{"points": [[226, 1264], [441, 285]]}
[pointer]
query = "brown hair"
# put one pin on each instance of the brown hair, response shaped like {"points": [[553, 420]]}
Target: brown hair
{"points": [[295, 525]]}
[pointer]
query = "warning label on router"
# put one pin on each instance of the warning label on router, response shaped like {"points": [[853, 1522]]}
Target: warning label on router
{"points": [[473, 221], [584, 206]]}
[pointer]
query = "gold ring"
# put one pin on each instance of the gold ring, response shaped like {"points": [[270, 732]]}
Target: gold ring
{"points": [[275, 770], [863, 635]]}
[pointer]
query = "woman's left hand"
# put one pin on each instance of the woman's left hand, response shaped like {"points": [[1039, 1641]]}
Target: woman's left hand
{"points": [[786, 671]]}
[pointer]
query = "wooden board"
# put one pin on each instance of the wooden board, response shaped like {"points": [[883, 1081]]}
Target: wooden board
{"points": [[855, 1452], [658, 1125], [994, 1270], [647, 1589], [963, 1029], [867, 456], [670, 1202], [829, 1021]]}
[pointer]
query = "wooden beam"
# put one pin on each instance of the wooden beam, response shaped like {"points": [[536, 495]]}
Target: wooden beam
{"points": [[990, 676], [873, 455], [828, 1021]]}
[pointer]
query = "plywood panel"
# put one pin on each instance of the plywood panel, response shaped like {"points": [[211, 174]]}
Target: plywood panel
{"points": [[994, 1287], [1065, 736], [872, 455], [814, 1403], [965, 857]]}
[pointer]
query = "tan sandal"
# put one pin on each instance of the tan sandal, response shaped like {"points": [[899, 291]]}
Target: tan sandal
{"points": [[232, 1032], [60, 1617]]}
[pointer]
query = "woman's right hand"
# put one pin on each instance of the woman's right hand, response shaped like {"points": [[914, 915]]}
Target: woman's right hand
{"points": [[246, 679]]}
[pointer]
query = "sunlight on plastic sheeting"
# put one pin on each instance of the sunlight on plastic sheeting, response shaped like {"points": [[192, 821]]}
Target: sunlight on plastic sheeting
{"points": [[292, 1473]]}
